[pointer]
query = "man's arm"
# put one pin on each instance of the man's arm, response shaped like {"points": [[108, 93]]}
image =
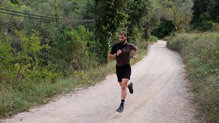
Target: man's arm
{"points": [[135, 53], [111, 56]]}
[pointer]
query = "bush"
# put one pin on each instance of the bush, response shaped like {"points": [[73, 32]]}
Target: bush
{"points": [[24, 64], [153, 38], [205, 25], [26, 79], [177, 42], [72, 49], [7, 71]]}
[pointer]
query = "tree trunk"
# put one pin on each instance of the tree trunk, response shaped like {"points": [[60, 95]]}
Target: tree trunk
{"points": [[146, 31]]}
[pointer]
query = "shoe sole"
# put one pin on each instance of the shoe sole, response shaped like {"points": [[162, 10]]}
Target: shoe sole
{"points": [[119, 111]]}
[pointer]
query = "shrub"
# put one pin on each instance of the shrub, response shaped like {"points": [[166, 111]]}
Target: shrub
{"points": [[7, 71], [206, 25], [153, 38], [24, 64], [72, 49]]}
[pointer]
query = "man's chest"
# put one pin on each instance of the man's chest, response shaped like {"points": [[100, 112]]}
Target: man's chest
{"points": [[125, 49]]}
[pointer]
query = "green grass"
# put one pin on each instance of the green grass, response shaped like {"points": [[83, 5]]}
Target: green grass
{"points": [[201, 55], [28, 94]]}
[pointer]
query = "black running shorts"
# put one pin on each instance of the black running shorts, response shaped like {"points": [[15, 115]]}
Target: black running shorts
{"points": [[123, 72]]}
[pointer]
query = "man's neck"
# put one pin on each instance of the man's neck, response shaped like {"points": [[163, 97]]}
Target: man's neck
{"points": [[124, 43]]}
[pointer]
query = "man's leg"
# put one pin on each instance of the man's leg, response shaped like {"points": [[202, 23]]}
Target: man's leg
{"points": [[123, 86]]}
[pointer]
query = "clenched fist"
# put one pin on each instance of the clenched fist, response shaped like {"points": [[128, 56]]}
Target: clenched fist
{"points": [[134, 57], [118, 52]]}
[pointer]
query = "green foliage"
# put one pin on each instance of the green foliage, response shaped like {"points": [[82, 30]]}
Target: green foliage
{"points": [[14, 1], [205, 25], [21, 70], [7, 69], [181, 13], [176, 43], [137, 11], [164, 29], [72, 48], [108, 16], [153, 38], [24, 64], [170, 16], [205, 12], [200, 52]]}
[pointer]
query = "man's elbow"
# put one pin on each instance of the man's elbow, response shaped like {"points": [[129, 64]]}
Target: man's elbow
{"points": [[136, 49]]}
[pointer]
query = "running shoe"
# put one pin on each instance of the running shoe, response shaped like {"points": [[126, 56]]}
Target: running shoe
{"points": [[130, 86], [121, 108]]}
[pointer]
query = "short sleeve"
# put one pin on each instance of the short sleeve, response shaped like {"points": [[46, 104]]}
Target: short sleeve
{"points": [[133, 47], [113, 50]]}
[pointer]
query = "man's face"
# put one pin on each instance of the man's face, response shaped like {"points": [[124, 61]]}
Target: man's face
{"points": [[122, 38]]}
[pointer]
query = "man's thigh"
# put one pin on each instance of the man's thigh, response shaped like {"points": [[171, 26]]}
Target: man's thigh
{"points": [[124, 82]]}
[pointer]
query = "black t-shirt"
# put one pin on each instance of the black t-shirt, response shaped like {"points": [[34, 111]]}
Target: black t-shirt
{"points": [[124, 57]]}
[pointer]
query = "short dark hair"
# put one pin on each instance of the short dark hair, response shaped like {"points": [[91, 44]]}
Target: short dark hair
{"points": [[123, 33]]}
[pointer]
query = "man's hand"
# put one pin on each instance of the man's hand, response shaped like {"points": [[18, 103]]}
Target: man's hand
{"points": [[119, 52], [111, 56], [135, 57]]}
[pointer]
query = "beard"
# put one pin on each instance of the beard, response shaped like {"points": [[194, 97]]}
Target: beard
{"points": [[123, 41]]}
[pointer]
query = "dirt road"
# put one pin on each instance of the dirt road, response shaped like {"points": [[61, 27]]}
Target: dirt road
{"points": [[160, 96]]}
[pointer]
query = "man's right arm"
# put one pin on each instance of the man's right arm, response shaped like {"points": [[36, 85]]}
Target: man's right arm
{"points": [[111, 56]]}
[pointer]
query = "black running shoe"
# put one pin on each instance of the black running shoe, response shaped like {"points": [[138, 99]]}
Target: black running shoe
{"points": [[121, 108], [130, 86]]}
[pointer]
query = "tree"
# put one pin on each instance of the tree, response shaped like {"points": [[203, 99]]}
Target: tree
{"points": [[205, 13], [164, 28], [137, 11], [108, 15], [180, 11]]}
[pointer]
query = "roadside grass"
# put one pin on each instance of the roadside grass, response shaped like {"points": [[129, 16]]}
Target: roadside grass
{"points": [[200, 52], [28, 94]]}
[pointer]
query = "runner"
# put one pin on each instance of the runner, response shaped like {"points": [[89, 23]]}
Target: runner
{"points": [[121, 52]]}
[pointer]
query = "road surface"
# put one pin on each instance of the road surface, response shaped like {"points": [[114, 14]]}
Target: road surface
{"points": [[160, 96]]}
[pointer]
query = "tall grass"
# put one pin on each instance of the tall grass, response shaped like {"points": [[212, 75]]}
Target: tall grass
{"points": [[28, 94], [201, 55]]}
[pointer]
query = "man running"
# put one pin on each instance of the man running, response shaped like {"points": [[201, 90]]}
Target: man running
{"points": [[121, 52]]}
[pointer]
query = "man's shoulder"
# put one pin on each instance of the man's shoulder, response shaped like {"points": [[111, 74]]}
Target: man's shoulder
{"points": [[116, 45], [130, 44]]}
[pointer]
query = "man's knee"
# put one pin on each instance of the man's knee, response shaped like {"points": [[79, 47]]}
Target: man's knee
{"points": [[123, 87]]}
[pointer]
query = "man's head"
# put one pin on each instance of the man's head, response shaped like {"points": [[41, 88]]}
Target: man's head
{"points": [[122, 36]]}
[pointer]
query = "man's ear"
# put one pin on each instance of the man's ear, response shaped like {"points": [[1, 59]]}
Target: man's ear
{"points": [[125, 37]]}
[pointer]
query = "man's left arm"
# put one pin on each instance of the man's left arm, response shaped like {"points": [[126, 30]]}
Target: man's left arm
{"points": [[135, 53]]}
